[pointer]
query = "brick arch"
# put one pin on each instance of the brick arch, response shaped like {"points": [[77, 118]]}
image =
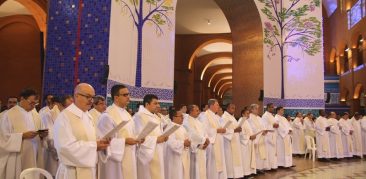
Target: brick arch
{"points": [[229, 83], [202, 62], [202, 73], [220, 84], [17, 19], [344, 94], [214, 85], [358, 91], [202, 45], [212, 70], [354, 39], [217, 77], [224, 90]]}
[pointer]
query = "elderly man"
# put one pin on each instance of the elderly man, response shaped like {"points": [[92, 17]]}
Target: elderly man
{"points": [[20, 141], [75, 138]]}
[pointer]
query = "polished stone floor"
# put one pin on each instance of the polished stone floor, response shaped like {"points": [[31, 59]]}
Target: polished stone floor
{"points": [[346, 168]]}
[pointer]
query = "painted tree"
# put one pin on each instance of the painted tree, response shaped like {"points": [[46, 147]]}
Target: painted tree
{"points": [[155, 13], [290, 25]]}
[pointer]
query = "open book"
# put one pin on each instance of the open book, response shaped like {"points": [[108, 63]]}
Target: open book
{"points": [[115, 130], [149, 127], [171, 129]]}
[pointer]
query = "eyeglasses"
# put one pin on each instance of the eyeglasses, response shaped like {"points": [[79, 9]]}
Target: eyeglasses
{"points": [[88, 97], [125, 94]]}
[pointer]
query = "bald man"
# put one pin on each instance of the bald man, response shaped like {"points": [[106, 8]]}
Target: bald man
{"points": [[75, 138]]}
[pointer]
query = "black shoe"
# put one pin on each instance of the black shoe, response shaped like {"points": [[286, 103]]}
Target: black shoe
{"points": [[260, 172]]}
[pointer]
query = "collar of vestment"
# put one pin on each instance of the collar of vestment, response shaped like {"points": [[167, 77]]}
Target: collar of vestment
{"points": [[77, 111], [143, 110], [228, 115]]}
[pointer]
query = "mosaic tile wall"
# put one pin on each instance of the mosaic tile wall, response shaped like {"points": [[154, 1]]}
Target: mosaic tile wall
{"points": [[61, 45]]}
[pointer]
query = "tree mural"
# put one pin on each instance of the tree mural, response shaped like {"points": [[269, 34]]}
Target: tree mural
{"points": [[155, 13], [289, 24]]}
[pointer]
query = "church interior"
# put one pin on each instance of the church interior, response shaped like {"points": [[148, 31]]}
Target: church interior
{"points": [[304, 59]]}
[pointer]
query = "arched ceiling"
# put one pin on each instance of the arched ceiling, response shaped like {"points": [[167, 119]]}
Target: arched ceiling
{"points": [[12, 7], [215, 47]]}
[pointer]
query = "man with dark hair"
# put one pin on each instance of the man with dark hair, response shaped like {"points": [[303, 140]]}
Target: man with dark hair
{"points": [[20, 138], [234, 166], [48, 100], [200, 142], [335, 139], [67, 100], [284, 145], [150, 158], [271, 123], [12, 101], [347, 132], [116, 113], [322, 137], [99, 106], [216, 167]]}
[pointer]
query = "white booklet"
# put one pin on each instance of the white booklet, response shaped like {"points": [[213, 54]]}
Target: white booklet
{"points": [[228, 123], [172, 128], [115, 130], [149, 127]]}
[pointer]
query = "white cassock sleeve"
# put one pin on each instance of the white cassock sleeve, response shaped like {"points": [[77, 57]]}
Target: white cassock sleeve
{"points": [[363, 125], [320, 129], [175, 145], [116, 149], [211, 132], [73, 152], [334, 129], [146, 150], [9, 141], [283, 130], [345, 128]]}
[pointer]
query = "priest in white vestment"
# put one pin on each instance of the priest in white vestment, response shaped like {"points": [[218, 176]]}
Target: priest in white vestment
{"points": [[335, 139], [284, 146], [49, 105], [48, 120], [199, 143], [116, 167], [177, 154], [234, 166], [322, 136], [347, 131], [99, 106], [247, 145], [21, 145], [271, 138], [12, 101], [363, 129], [357, 135], [150, 156], [75, 138], [216, 166], [309, 125], [259, 128], [298, 135]]}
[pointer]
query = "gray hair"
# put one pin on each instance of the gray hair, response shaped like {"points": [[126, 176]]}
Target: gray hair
{"points": [[211, 102], [253, 106], [190, 108], [98, 98]]}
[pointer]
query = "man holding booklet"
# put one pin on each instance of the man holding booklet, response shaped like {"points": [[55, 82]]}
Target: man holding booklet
{"points": [[116, 116], [150, 156]]}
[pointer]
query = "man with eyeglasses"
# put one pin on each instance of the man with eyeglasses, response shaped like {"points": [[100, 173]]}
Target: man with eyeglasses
{"points": [[177, 159], [99, 106], [75, 138], [123, 167], [20, 138], [150, 156]]}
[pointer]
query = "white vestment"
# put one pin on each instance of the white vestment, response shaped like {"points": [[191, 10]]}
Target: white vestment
{"points": [[284, 146], [48, 118], [95, 114], [75, 141], [123, 165], [357, 137], [247, 149], [363, 128], [216, 167], [150, 156], [335, 139], [261, 152], [322, 137], [16, 154], [197, 131], [346, 128], [271, 139], [298, 137], [176, 156], [234, 166]]}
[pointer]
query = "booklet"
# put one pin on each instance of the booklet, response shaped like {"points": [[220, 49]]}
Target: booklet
{"points": [[149, 127], [115, 130], [171, 129]]}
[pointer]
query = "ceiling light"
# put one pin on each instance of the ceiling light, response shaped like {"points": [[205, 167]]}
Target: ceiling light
{"points": [[208, 21]]}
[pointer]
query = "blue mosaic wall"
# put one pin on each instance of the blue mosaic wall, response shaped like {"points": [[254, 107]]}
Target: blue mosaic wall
{"points": [[61, 44]]}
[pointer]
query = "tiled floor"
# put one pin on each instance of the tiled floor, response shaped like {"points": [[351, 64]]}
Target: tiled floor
{"points": [[346, 168]]}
